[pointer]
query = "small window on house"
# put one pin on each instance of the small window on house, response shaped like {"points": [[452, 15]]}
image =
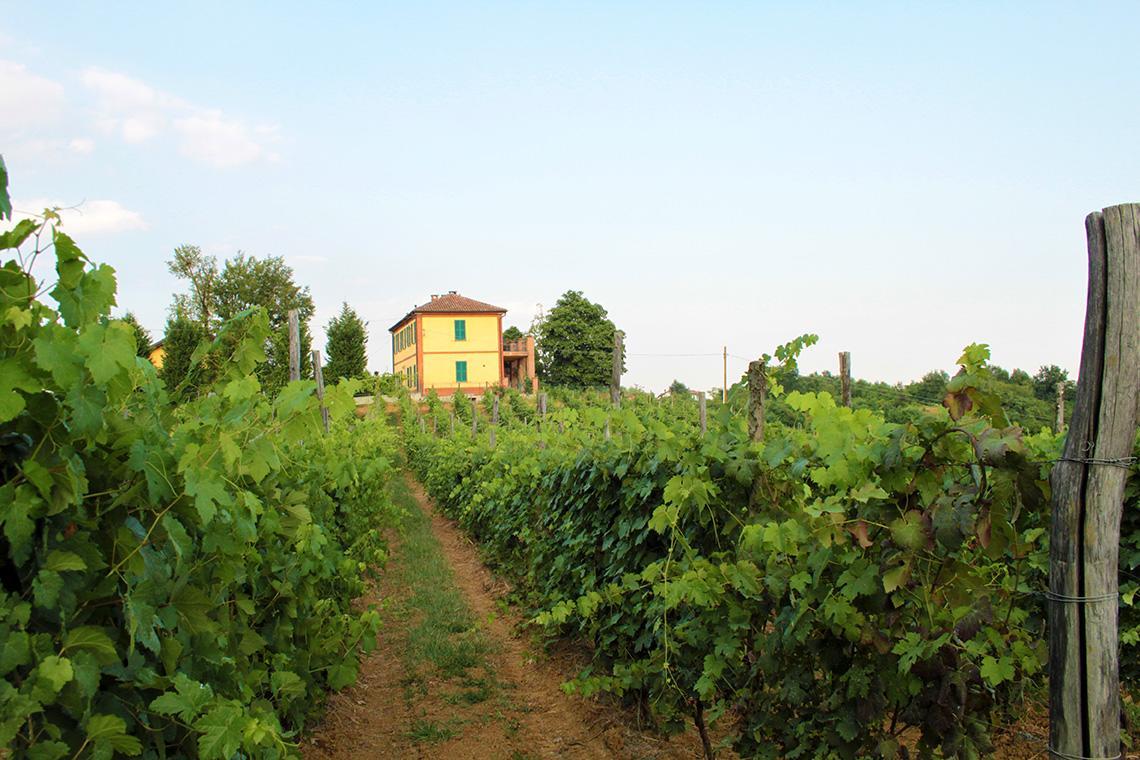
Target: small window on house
{"points": [[461, 329], [460, 370]]}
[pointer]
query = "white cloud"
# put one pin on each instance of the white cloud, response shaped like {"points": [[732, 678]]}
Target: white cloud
{"points": [[27, 101], [82, 145], [99, 217], [137, 112]]}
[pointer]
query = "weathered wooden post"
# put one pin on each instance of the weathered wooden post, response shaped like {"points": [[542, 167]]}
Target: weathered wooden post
{"points": [[1060, 423], [607, 429], [1088, 492], [434, 425], [757, 394], [845, 378], [423, 425], [494, 418], [294, 345], [474, 419], [319, 376], [703, 411], [453, 422], [615, 378]]}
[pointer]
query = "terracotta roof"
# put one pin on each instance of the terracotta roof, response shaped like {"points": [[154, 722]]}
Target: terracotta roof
{"points": [[450, 303]]}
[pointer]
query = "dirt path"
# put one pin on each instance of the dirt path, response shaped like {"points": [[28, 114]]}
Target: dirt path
{"points": [[502, 699]]}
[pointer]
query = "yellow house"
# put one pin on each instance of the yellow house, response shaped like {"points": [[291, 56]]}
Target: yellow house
{"points": [[455, 343], [157, 354]]}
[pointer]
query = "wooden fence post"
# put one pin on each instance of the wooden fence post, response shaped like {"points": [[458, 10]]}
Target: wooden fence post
{"points": [[845, 378], [319, 376], [1060, 424], [453, 422], [494, 418], [1088, 491], [615, 378], [423, 425], [607, 429], [474, 419], [703, 411], [294, 346], [434, 425], [757, 393]]}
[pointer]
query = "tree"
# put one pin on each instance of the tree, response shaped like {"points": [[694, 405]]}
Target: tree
{"points": [[677, 388], [201, 271], [575, 343], [182, 336], [243, 283], [143, 340], [932, 386], [513, 333], [1046, 379], [346, 345]]}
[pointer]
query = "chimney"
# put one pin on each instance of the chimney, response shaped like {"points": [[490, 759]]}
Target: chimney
{"points": [[452, 292], [434, 296]]}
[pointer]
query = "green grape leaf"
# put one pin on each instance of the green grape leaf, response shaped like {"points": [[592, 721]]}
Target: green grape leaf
{"points": [[996, 671], [909, 532], [222, 729], [186, 701], [56, 671], [90, 638], [62, 562], [111, 731]]}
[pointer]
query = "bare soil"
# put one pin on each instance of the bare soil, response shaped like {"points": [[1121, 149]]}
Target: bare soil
{"points": [[528, 714]]}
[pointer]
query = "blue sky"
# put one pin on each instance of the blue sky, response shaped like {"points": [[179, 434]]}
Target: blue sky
{"points": [[902, 179]]}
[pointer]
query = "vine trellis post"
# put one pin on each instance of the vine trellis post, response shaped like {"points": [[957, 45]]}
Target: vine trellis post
{"points": [[615, 378], [294, 345], [845, 378], [1088, 493]]}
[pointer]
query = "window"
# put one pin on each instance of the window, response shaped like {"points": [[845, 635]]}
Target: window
{"points": [[460, 371], [461, 329]]}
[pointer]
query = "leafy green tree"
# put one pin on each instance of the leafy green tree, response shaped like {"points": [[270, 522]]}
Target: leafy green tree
{"points": [[346, 346], [143, 341], [513, 333], [932, 386], [1046, 379], [677, 388], [201, 271], [575, 343], [182, 336], [245, 282]]}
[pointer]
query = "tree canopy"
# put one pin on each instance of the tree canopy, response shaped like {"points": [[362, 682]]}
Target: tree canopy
{"points": [[575, 343], [346, 347], [513, 333], [245, 282], [143, 340]]}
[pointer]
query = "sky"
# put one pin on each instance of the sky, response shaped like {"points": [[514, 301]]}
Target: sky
{"points": [[901, 179]]}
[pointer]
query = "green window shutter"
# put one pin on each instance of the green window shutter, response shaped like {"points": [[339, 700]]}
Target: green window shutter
{"points": [[461, 372], [461, 329]]}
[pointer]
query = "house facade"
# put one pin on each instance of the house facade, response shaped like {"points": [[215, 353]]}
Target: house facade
{"points": [[454, 343]]}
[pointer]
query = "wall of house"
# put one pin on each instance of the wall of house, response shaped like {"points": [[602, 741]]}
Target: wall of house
{"points": [[404, 360], [481, 350]]}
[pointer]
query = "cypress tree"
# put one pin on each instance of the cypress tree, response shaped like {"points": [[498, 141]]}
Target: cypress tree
{"points": [[346, 346]]}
